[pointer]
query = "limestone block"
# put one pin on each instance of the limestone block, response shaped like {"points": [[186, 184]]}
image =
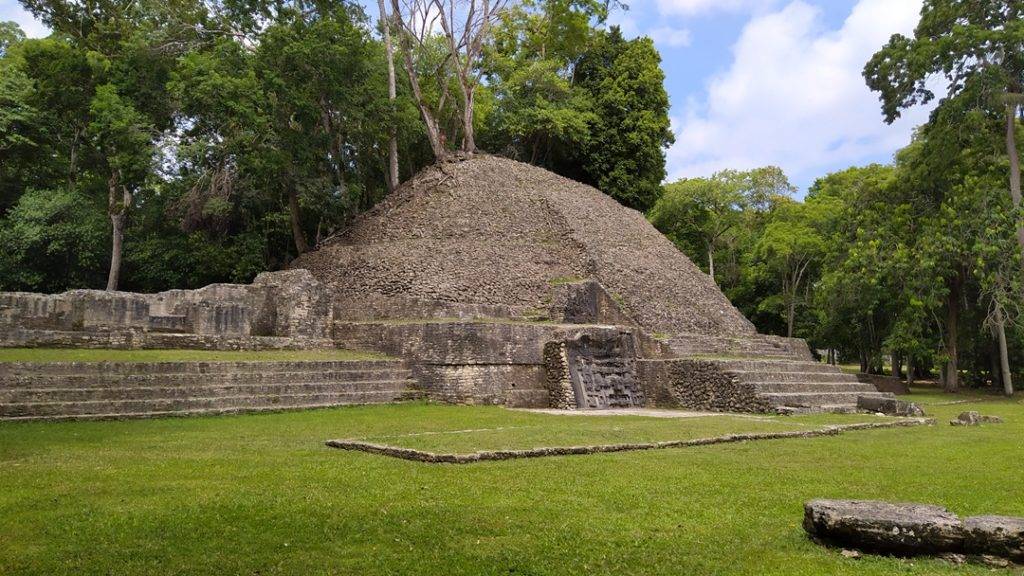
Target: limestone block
{"points": [[889, 406], [902, 529]]}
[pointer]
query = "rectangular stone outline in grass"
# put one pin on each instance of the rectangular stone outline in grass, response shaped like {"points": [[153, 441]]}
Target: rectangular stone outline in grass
{"points": [[449, 458]]}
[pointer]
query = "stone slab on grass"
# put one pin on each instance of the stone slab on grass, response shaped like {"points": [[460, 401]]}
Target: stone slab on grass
{"points": [[909, 529]]}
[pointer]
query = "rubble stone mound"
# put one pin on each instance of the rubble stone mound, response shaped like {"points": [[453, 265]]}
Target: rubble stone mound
{"points": [[499, 232]]}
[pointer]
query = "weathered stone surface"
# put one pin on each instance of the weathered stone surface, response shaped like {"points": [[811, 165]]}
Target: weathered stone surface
{"points": [[601, 370], [1001, 536], [557, 378], [278, 305], [499, 232], [901, 529], [91, 390], [973, 418], [697, 385], [915, 529], [890, 406]]}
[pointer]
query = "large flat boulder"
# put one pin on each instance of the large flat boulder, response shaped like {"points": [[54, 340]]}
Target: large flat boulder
{"points": [[913, 529], [901, 529], [996, 535]]}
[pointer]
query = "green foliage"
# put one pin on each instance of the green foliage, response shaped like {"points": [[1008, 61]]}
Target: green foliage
{"points": [[10, 34], [52, 239], [626, 158], [579, 100], [973, 44]]}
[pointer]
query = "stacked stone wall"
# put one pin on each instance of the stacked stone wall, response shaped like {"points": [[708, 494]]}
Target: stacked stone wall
{"points": [[696, 385], [287, 309]]}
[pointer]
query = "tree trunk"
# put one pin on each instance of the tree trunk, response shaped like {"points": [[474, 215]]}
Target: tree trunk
{"points": [[711, 263], [301, 246], [119, 198], [1011, 151], [468, 140], [433, 129], [393, 178], [897, 365], [1004, 358], [951, 377], [910, 371], [790, 316]]}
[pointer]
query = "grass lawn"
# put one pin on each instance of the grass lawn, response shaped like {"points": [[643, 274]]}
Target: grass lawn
{"points": [[261, 494], [105, 355]]}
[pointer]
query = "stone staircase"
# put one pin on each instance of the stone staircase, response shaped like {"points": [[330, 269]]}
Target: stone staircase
{"points": [[795, 385], [70, 390], [775, 373]]}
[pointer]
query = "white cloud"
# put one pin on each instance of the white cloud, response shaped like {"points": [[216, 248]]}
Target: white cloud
{"points": [[794, 96], [671, 37], [693, 7], [11, 10], [664, 36]]}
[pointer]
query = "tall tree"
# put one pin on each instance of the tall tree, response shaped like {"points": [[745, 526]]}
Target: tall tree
{"points": [[626, 158], [389, 52], [978, 47], [124, 139]]}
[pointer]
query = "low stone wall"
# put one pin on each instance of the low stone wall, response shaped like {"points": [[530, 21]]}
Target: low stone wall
{"points": [[287, 309], [697, 385]]}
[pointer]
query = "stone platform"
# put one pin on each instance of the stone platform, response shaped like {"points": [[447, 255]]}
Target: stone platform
{"points": [[96, 390], [580, 351]]}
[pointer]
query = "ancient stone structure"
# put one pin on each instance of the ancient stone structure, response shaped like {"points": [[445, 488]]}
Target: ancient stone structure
{"points": [[287, 309], [85, 390], [912, 529], [497, 283]]}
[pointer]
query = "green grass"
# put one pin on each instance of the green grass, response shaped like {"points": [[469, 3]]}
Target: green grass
{"points": [[261, 494], [84, 355], [563, 280], [523, 432]]}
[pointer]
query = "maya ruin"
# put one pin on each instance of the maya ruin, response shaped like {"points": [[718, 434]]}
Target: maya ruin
{"points": [[488, 281], [511, 287]]}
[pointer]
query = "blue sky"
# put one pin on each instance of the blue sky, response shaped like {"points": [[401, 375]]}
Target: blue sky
{"points": [[759, 82]]}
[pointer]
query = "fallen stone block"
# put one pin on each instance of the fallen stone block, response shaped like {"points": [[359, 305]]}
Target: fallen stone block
{"points": [[899, 529], [973, 418], [1001, 536], [915, 530], [889, 406]]}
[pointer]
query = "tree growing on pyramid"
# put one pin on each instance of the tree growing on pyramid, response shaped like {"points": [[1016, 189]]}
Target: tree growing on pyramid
{"points": [[442, 42]]}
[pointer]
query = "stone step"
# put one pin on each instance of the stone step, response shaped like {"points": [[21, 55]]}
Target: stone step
{"points": [[118, 379], [216, 390], [803, 387], [785, 376], [196, 412], [187, 405], [190, 367], [771, 353], [816, 399], [773, 366]]}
